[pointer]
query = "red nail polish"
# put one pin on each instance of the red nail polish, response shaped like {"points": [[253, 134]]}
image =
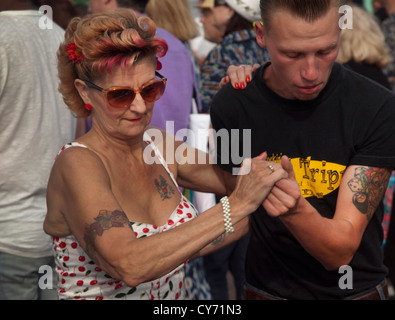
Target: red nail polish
{"points": [[242, 86], [237, 87], [248, 79]]}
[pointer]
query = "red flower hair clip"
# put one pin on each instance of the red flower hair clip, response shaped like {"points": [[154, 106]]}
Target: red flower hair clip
{"points": [[74, 55]]}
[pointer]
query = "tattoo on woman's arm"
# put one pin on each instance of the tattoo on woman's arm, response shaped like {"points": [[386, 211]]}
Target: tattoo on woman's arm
{"points": [[106, 220], [219, 240], [369, 185]]}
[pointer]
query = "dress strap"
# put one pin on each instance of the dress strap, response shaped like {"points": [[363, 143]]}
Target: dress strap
{"points": [[159, 156], [70, 145]]}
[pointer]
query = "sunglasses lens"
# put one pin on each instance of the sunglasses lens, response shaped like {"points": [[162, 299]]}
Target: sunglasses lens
{"points": [[153, 91], [120, 97]]}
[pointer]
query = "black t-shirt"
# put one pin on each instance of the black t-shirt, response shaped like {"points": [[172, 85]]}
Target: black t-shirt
{"points": [[352, 122]]}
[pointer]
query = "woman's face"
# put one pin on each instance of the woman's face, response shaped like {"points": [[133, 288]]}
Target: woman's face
{"points": [[128, 121]]}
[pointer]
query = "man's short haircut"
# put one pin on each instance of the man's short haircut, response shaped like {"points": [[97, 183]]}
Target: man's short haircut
{"points": [[309, 10]]}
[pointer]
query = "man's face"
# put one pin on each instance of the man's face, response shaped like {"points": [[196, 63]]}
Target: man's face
{"points": [[302, 53]]}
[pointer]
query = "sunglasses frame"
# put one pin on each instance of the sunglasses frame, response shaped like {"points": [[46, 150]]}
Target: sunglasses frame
{"points": [[136, 91]]}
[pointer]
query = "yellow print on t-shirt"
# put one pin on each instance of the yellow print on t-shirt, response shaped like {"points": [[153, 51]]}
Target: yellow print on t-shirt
{"points": [[315, 178]]}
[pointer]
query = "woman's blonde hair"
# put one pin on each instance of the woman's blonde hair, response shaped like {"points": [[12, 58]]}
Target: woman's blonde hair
{"points": [[101, 42], [174, 16], [365, 42]]}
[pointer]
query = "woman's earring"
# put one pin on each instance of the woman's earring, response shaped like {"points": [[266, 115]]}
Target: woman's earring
{"points": [[88, 107]]}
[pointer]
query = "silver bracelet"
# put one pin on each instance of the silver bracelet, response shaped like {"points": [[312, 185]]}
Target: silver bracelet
{"points": [[226, 210]]}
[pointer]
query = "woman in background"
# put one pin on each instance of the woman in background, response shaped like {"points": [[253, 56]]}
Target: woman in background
{"points": [[363, 48]]}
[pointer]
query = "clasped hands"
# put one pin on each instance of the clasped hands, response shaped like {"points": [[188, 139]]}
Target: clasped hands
{"points": [[285, 193]]}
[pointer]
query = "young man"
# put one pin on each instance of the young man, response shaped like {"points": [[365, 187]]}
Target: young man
{"points": [[318, 235]]}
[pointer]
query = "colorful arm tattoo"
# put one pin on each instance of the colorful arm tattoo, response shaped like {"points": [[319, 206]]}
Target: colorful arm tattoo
{"points": [[106, 220], [369, 185]]}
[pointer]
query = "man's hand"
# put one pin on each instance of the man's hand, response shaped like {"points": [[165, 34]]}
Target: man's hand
{"points": [[285, 194]]}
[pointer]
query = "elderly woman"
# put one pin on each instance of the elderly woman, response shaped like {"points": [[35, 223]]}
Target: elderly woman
{"points": [[121, 227]]}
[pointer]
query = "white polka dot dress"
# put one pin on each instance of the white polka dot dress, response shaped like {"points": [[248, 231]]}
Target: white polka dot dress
{"points": [[80, 278]]}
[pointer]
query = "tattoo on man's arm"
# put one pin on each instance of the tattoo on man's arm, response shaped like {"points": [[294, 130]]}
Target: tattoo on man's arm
{"points": [[369, 185], [106, 220]]}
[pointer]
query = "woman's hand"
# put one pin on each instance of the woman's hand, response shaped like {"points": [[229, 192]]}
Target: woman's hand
{"points": [[256, 179], [238, 76]]}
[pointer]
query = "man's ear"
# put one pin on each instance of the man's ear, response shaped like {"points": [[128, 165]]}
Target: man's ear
{"points": [[82, 89], [260, 34]]}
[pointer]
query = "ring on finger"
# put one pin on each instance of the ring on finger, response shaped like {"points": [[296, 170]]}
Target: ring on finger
{"points": [[271, 168]]}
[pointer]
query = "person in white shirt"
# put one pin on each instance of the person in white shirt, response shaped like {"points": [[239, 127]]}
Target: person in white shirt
{"points": [[34, 124]]}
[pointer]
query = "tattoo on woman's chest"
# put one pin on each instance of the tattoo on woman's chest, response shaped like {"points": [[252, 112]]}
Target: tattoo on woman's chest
{"points": [[165, 190]]}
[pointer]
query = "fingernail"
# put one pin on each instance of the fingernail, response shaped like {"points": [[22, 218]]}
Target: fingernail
{"points": [[242, 86], [248, 79], [225, 80], [237, 86]]}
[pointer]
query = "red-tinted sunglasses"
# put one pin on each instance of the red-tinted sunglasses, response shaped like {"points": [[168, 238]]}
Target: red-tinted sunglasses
{"points": [[121, 97]]}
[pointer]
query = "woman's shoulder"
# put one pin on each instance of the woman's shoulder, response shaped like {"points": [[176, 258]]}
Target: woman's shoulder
{"points": [[76, 159]]}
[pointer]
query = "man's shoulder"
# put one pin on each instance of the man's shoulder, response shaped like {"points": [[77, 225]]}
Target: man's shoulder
{"points": [[227, 93], [356, 83], [229, 100]]}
